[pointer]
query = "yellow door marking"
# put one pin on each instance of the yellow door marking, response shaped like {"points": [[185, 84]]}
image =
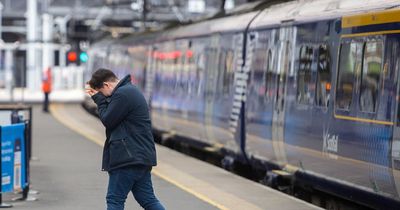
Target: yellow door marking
{"points": [[380, 122], [372, 18]]}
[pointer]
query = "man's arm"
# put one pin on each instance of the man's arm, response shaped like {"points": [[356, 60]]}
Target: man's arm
{"points": [[112, 113]]}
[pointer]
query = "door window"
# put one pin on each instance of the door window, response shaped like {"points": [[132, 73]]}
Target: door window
{"points": [[373, 59], [304, 75], [349, 65]]}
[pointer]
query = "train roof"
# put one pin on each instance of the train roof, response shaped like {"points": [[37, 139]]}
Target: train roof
{"points": [[313, 10], [294, 12], [141, 38], [219, 25]]}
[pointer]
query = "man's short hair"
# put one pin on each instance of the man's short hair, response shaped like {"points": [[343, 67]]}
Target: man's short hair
{"points": [[100, 76]]}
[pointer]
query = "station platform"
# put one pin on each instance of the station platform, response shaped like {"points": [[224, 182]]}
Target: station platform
{"points": [[67, 146]]}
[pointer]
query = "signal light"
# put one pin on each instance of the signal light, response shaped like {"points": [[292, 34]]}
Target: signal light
{"points": [[71, 56], [83, 57]]}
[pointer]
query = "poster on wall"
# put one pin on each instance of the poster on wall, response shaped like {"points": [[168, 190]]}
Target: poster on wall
{"points": [[13, 157]]}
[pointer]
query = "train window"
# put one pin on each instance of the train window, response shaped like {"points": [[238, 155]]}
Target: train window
{"points": [[349, 63], [258, 69], [200, 67], [323, 87], [268, 80], [228, 71], [304, 75], [220, 68], [373, 59], [190, 68]]}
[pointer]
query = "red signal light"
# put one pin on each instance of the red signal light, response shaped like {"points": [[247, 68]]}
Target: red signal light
{"points": [[189, 54], [72, 56]]}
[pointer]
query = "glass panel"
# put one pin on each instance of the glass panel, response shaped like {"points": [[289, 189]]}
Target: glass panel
{"points": [[349, 64], [200, 67], [373, 57], [285, 68], [228, 71], [258, 68], [323, 77], [304, 75], [268, 80]]}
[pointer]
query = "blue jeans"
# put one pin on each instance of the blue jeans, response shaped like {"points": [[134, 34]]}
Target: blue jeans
{"points": [[135, 179]]}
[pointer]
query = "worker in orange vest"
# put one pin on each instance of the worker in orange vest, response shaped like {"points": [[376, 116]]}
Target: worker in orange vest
{"points": [[46, 88]]}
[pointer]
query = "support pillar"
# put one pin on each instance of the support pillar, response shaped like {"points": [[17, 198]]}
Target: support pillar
{"points": [[33, 76], [48, 49], [1, 20], [9, 63]]}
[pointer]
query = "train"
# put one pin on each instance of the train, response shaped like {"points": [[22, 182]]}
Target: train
{"points": [[305, 89]]}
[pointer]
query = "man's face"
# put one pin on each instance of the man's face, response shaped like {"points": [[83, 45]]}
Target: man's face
{"points": [[107, 89]]}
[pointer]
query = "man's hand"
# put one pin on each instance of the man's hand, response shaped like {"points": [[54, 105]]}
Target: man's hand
{"points": [[90, 91]]}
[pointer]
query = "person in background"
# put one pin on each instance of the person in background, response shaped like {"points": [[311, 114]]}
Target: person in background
{"points": [[46, 88], [129, 150]]}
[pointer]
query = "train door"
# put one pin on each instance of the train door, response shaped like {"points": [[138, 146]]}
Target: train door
{"points": [[211, 79], [286, 37], [395, 160], [260, 94], [363, 111]]}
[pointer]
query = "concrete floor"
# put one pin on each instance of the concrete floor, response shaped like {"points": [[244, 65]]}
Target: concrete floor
{"points": [[67, 173]]}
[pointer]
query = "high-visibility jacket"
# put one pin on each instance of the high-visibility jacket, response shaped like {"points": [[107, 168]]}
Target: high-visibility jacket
{"points": [[46, 81]]}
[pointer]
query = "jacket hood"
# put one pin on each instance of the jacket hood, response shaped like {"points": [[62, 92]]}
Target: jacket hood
{"points": [[124, 81]]}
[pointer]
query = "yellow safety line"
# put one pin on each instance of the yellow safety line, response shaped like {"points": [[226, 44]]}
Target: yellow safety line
{"points": [[363, 120], [72, 126], [187, 189], [371, 33], [69, 124]]}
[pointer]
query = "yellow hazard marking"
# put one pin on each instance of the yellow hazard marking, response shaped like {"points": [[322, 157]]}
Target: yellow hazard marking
{"points": [[187, 189], [55, 111]]}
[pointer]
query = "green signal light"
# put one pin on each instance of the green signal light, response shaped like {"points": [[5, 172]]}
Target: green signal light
{"points": [[83, 57]]}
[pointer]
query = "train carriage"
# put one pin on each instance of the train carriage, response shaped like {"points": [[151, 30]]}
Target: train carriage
{"points": [[310, 87]]}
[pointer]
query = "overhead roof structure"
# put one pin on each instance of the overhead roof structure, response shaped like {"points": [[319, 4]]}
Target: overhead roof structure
{"points": [[157, 10], [124, 16]]}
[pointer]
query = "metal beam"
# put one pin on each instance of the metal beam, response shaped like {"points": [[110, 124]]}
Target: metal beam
{"points": [[14, 29], [13, 14], [91, 13], [107, 13]]}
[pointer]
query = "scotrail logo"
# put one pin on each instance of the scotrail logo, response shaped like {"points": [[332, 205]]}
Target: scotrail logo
{"points": [[330, 145]]}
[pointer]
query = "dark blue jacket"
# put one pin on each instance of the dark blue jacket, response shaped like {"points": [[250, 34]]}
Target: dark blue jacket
{"points": [[125, 115]]}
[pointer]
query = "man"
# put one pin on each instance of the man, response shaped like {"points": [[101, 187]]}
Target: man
{"points": [[46, 88], [129, 151]]}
